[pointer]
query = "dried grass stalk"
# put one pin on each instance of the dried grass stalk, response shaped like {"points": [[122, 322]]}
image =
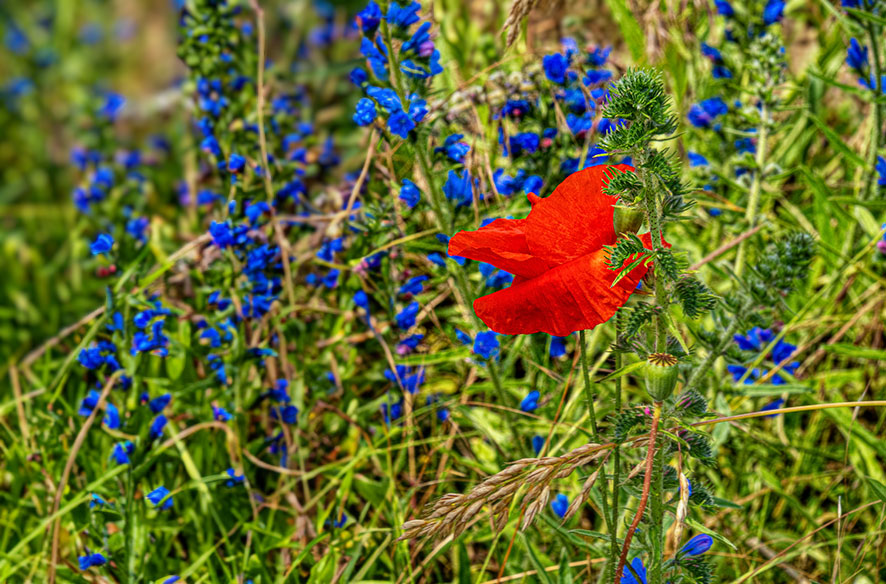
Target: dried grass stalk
{"points": [[452, 513]]}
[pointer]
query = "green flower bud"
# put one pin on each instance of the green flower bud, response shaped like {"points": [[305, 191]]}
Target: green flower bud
{"points": [[627, 220], [660, 372]]}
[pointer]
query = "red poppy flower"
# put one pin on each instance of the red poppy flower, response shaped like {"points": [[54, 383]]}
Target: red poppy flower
{"points": [[561, 282]]}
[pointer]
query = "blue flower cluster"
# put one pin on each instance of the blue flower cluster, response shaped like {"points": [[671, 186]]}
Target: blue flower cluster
{"points": [[754, 342]]}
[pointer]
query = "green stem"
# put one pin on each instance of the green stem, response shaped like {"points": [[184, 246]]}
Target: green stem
{"points": [[656, 509], [129, 532], [616, 489], [713, 354], [500, 390], [876, 132], [756, 189], [589, 398], [653, 220]]}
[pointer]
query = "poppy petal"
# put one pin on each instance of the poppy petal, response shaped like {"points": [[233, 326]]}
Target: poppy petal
{"points": [[575, 296], [575, 220], [502, 244]]}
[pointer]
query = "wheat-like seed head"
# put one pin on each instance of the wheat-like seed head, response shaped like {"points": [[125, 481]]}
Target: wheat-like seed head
{"points": [[452, 513]]}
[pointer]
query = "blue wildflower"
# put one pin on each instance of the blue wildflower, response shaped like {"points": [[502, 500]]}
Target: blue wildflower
{"points": [[234, 479], [724, 8], [702, 114], [410, 193], [773, 12], [524, 142], [409, 344], [596, 77], [286, 414], [881, 171], [857, 56], [401, 124], [159, 497], [486, 344], [365, 113], [403, 16], [697, 545], [538, 442], [102, 244], [598, 56], [157, 426], [418, 108], [121, 451], [89, 403], [558, 347], [361, 299], [414, 285], [221, 414], [406, 317], [91, 560], [745, 145], [560, 505], [369, 18], [696, 159], [454, 148], [394, 412], [530, 402], [463, 337], [555, 67], [236, 163], [358, 76], [112, 416], [91, 357], [112, 105], [376, 55], [773, 405], [628, 578], [96, 501], [459, 188]]}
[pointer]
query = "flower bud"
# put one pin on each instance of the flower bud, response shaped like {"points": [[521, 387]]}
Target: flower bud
{"points": [[627, 220], [660, 372]]}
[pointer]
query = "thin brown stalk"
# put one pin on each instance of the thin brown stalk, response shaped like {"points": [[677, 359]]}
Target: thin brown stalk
{"points": [[69, 465], [647, 483]]}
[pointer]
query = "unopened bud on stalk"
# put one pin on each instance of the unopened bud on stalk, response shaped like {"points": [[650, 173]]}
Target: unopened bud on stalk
{"points": [[627, 220], [660, 372]]}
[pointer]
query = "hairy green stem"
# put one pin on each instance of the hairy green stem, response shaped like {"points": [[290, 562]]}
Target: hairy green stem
{"points": [[656, 511], [616, 462], [653, 220], [644, 497], [712, 355], [756, 189]]}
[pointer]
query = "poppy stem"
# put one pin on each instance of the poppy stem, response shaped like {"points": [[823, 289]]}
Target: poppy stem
{"points": [[589, 397], [647, 484], [616, 462]]}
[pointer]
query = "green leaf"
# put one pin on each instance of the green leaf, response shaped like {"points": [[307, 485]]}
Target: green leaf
{"points": [[838, 143], [630, 29], [699, 527], [878, 488], [464, 564], [856, 352], [846, 200], [621, 372], [867, 16], [543, 576]]}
